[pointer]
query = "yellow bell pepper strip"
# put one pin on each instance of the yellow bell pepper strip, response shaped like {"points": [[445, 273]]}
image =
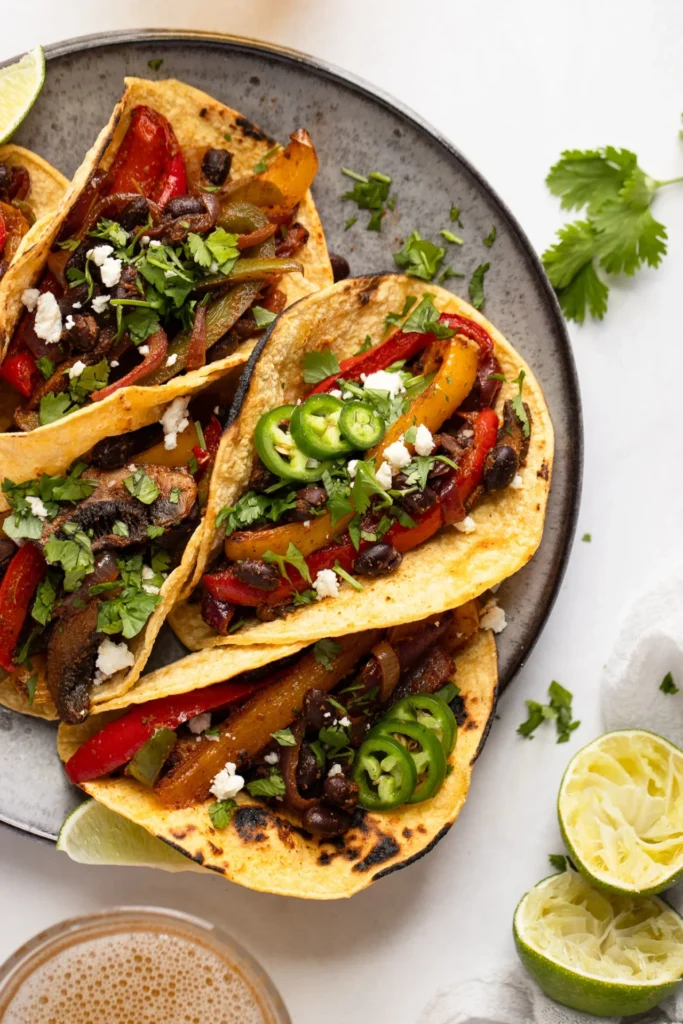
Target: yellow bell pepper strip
{"points": [[254, 543]]}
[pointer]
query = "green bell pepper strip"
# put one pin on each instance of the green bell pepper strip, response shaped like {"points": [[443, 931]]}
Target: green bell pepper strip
{"points": [[360, 424], [289, 462], [385, 773], [147, 763], [431, 712], [430, 760], [315, 427]]}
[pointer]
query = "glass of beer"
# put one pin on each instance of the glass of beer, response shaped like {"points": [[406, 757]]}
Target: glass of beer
{"points": [[136, 965]]}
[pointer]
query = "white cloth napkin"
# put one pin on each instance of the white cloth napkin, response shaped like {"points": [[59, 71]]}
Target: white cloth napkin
{"points": [[649, 645]]}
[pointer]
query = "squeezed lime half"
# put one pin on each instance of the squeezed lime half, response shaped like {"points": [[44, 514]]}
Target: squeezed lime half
{"points": [[20, 84]]}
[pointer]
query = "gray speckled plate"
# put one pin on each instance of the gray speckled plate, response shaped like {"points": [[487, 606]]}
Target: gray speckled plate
{"points": [[352, 126]]}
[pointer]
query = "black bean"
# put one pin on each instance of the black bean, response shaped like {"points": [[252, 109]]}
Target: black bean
{"points": [[341, 792], [5, 177], [418, 502], [134, 214], [216, 165], [378, 560], [340, 267], [82, 335], [326, 821], [308, 774], [500, 467], [257, 574], [184, 206], [313, 494], [317, 711]]}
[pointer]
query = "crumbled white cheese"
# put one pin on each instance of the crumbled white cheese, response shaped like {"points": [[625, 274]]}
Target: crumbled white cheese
{"points": [[272, 758], [397, 455], [345, 722], [172, 359], [154, 243], [114, 363], [493, 617], [37, 506], [99, 254], [144, 241], [383, 476], [213, 737], [335, 392], [227, 784], [467, 525], [100, 302], [131, 467], [77, 369], [30, 297], [214, 267], [48, 323], [216, 410], [147, 574], [336, 769], [307, 523], [351, 468], [517, 484], [424, 442], [174, 421], [467, 433], [382, 380], [69, 323], [112, 658], [326, 584], [76, 305], [143, 350], [200, 723], [110, 272]]}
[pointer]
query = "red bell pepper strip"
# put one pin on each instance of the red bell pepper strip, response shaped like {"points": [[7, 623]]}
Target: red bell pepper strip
{"points": [[21, 372], [119, 740], [213, 432], [19, 584], [158, 347], [471, 466], [3, 233], [398, 346], [149, 160]]}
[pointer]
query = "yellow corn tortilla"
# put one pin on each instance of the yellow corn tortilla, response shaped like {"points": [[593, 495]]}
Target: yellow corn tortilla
{"points": [[48, 186], [446, 571], [263, 848], [198, 120]]}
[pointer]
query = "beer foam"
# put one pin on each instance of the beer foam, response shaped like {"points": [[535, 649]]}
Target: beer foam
{"points": [[136, 977]]}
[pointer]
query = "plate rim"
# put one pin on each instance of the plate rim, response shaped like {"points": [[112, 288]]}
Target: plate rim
{"points": [[360, 85]]}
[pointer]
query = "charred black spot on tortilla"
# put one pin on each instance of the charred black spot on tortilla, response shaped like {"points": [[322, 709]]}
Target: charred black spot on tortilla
{"points": [[203, 112], [387, 847], [191, 828], [250, 821], [422, 829], [174, 846], [415, 857], [352, 853], [178, 833], [253, 131], [359, 820], [544, 471], [215, 867], [325, 858], [215, 850], [471, 725], [407, 833], [457, 706], [198, 857]]}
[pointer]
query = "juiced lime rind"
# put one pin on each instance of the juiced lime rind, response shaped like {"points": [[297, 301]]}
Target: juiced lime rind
{"points": [[668, 878], [591, 993], [92, 834], [20, 85]]}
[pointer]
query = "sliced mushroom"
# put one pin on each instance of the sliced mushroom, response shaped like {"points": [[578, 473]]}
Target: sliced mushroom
{"points": [[71, 663]]}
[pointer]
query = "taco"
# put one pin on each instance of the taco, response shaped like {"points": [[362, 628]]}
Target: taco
{"points": [[313, 776], [92, 559], [184, 232], [30, 191], [366, 478]]}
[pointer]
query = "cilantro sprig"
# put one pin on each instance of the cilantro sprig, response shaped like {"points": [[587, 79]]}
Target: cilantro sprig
{"points": [[559, 710], [619, 235], [369, 193]]}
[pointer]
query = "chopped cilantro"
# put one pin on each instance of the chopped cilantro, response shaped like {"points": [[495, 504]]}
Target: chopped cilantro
{"points": [[325, 652], [476, 285], [128, 612], [491, 237], [285, 737], [155, 64], [319, 365], [450, 237], [367, 344], [73, 554], [366, 486], [31, 684], [391, 319], [419, 257], [46, 595], [252, 507], [262, 166], [350, 222], [446, 273], [54, 406], [142, 487], [92, 378], [425, 320], [558, 861], [174, 496], [667, 684], [120, 529], [587, 537], [274, 785], [343, 574], [110, 231], [221, 813], [262, 316], [293, 557], [559, 709], [46, 366], [369, 193], [304, 597], [455, 215]]}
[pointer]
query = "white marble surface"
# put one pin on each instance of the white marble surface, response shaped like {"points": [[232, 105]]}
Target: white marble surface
{"points": [[541, 77]]}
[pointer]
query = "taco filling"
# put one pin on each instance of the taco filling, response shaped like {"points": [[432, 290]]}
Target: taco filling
{"points": [[16, 212], [389, 447], [84, 556], [165, 262], [362, 722]]}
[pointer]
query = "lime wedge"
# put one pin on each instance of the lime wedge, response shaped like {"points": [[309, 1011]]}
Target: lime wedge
{"points": [[603, 953], [92, 834], [20, 84], [621, 812]]}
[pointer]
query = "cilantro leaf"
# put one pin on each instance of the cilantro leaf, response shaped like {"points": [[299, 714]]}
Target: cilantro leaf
{"points": [[221, 813], [54, 406], [110, 231], [262, 166], [285, 737], [274, 785], [154, 531], [587, 538], [369, 193], [293, 557], [251, 507], [319, 365], [558, 709], [155, 64], [425, 320], [518, 404], [325, 652], [46, 595], [198, 250], [491, 237], [391, 319], [419, 257], [92, 378], [667, 684], [222, 245], [367, 344], [455, 212], [448, 236], [262, 316], [74, 554], [344, 575], [589, 177], [558, 861], [627, 237], [338, 503], [46, 366], [142, 487], [365, 487], [476, 285]]}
